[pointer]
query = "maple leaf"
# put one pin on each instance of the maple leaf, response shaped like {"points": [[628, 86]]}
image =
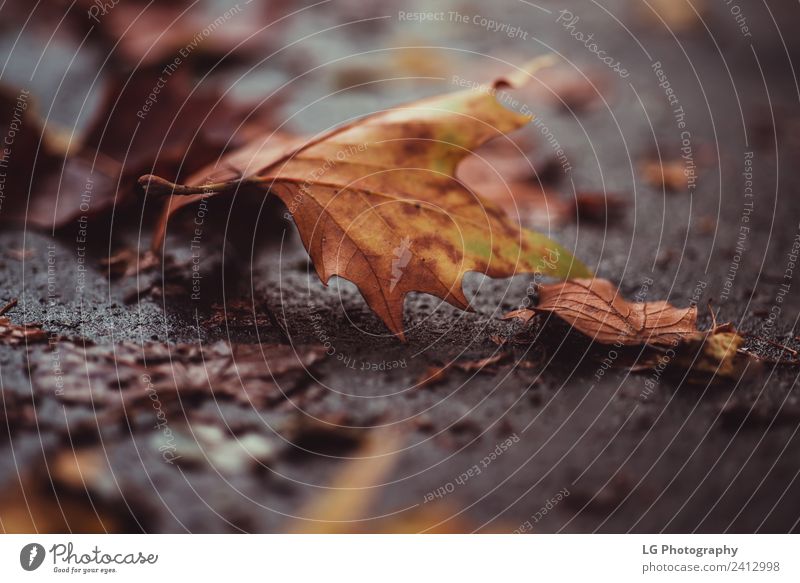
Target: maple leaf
{"points": [[357, 192], [595, 308]]}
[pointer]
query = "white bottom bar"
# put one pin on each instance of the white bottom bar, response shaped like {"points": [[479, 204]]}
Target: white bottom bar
{"points": [[401, 558]]}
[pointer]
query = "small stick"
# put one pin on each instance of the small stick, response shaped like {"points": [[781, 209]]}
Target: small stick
{"points": [[8, 307], [155, 185], [768, 360], [775, 344], [713, 316]]}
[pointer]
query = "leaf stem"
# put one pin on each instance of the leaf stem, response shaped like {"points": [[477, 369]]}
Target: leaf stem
{"points": [[157, 186]]}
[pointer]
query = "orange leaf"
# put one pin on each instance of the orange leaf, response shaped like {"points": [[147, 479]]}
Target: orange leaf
{"points": [[596, 308], [377, 201]]}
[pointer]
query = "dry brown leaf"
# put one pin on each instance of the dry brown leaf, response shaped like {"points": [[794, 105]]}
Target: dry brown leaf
{"points": [[128, 262], [720, 354], [20, 254], [385, 184], [704, 357], [524, 314], [143, 33], [596, 308], [713, 355], [436, 374], [483, 363], [15, 334], [598, 207], [671, 176], [30, 147], [188, 127], [48, 184], [432, 376]]}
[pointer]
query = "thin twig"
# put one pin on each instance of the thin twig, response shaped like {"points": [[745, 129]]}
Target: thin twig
{"points": [[713, 316], [8, 307], [773, 343]]}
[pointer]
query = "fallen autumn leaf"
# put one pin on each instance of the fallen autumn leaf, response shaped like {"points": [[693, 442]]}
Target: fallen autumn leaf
{"points": [[386, 182], [596, 308]]}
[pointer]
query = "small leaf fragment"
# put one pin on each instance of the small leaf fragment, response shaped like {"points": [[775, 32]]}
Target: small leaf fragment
{"points": [[595, 308], [712, 355]]}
